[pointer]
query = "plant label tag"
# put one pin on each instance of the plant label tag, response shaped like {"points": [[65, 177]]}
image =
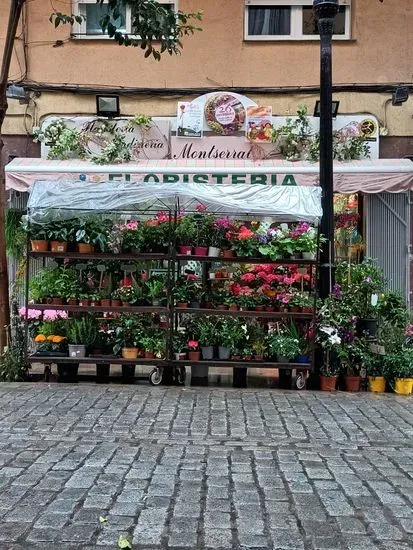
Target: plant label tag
{"points": [[284, 226], [80, 267], [101, 268], [374, 299], [127, 268]]}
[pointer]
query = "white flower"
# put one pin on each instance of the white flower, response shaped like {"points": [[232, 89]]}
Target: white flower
{"points": [[327, 330], [334, 339]]}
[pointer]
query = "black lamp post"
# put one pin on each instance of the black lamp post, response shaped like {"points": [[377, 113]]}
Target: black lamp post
{"points": [[325, 11]]}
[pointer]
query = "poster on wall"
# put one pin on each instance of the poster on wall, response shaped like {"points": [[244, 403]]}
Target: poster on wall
{"points": [[259, 124], [190, 120], [225, 114]]}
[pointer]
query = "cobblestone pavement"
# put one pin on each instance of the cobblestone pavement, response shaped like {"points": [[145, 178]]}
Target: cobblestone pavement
{"points": [[204, 468]]}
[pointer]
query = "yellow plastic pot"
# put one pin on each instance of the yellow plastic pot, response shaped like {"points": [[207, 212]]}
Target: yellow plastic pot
{"points": [[403, 386], [377, 384]]}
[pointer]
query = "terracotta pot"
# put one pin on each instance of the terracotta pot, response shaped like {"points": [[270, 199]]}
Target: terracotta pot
{"points": [[57, 301], [194, 355], [228, 253], [40, 246], [125, 304], [258, 358], [328, 383], [236, 358], [269, 308], [201, 251], [106, 302], [149, 355], [94, 303], [233, 307], [84, 248], [84, 303], [247, 357], [352, 383], [116, 303], [208, 305], [58, 246], [186, 250], [377, 384], [259, 308], [182, 304], [308, 310], [130, 353], [222, 307], [219, 275], [295, 309], [72, 302]]}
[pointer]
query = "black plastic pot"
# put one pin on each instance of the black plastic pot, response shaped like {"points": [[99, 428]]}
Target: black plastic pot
{"points": [[368, 326]]}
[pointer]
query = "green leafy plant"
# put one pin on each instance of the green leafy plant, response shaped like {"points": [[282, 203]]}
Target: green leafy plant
{"points": [[141, 121], [15, 234], [129, 330], [293, 137], [155, 343], [93, 230], [63, 142], [205, 331], [399, 364], [186, 230], [82, 331]]}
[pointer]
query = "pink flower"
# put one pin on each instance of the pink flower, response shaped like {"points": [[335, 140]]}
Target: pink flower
{"points": [[223, 223], [245, 233], [144, 276], [162, 217], [248, 277], [271, 277], [191, 277], [262, 275], [193, 344], [53, 315], [132, 225], [201, 208], [31, 313]]}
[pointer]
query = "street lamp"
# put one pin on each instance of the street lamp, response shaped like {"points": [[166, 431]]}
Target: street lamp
{"points": [[325, 11]]}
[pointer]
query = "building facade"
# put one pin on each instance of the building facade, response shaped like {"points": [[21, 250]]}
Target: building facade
{"points": [[265, 49]]}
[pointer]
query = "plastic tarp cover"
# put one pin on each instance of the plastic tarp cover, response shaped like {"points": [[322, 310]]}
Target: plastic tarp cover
{"points": [[64, 199]]}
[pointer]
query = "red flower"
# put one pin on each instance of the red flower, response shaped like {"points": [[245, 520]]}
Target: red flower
{"points": [[248, 277], [262, 275], [191, 277], [235, 289], [245, 233], [193, 344]]}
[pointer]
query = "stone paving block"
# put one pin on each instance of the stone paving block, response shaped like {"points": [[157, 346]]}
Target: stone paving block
{"points": [[386, 531], [284, 540], [78, 533], [51, 521], [42, 535], [218, 538]]}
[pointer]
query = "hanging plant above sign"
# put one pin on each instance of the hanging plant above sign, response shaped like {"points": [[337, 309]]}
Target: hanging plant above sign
{"points": [[225, 114]]}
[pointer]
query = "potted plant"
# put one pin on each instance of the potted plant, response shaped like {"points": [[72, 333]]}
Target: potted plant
{"points": [[329, 371], [399, 370], [193, 354], [283, 346], [186, 232], [81, 334], [115, 298], [50, 345], [128, 332], [39, 237], [375, 372], [179, 341], [203, 232], [60, 233], [352, 353], [206, 331], [244, 243], [155, 289], [154, 344], [127, 294], [228, 334], [216, 239], [91, 232]]}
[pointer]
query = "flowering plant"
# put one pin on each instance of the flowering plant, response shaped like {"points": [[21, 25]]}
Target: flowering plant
{"points": [[193, 345], [243, 242], [127, 294], [62, 141], [51, 343]]}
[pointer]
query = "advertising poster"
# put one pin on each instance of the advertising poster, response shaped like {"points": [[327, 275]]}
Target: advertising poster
{"points": [[190, 120], [259, 124]]}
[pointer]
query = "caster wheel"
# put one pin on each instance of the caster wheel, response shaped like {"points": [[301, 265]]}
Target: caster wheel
{"points": [[300, 381], [155, 377]]}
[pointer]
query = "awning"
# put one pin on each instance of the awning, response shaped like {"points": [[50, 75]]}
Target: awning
{"points": [[368, 176]]}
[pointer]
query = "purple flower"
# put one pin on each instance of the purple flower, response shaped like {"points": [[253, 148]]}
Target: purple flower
{"points": [[368, 279], [337, 293]]}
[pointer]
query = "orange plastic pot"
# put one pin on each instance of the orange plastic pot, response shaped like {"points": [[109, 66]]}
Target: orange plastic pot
{"points": [[58, 246], [130, 353], [84, 248], [40, 246], [328, 383]]}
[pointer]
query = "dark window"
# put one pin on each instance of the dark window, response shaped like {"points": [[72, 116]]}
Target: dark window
{"points": [[264, 20]]}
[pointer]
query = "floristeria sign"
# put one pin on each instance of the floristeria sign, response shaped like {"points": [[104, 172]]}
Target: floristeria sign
{"points": [[234, 179]]}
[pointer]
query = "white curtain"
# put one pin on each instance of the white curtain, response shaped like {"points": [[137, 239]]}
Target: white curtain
{"points": [[271, 21]]}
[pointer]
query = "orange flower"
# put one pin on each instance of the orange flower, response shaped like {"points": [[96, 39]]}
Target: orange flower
{"points": [[58, 339], [50, 338], [40, 338]]}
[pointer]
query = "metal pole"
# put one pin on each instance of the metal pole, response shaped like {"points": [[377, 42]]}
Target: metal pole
{"points": [[325, 11]]}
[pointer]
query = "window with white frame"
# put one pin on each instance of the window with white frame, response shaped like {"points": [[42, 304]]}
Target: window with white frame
{"points": [[92, 14], [291, 20]]}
